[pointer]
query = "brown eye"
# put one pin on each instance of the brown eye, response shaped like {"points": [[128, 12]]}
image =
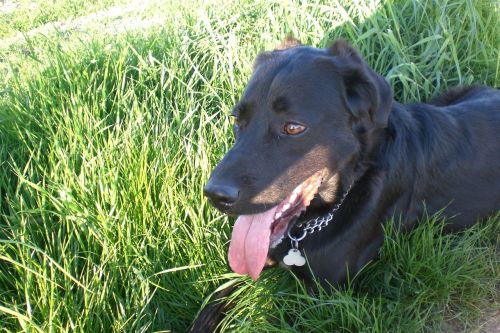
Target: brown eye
{"points": [[293, 128]]}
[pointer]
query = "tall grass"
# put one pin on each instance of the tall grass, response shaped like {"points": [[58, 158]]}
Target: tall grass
{"points": [[106, 144]]}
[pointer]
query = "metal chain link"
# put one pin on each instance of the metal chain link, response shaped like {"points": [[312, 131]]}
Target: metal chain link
{"points": [[317, 223]]}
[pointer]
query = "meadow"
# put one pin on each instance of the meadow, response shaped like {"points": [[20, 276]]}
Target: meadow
{"points": [[112, 115]]}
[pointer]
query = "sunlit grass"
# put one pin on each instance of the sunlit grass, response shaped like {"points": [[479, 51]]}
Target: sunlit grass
{"points": [[24, 15], [105, 144]]}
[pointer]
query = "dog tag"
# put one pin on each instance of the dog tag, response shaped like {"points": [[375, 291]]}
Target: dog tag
{"points": [[294, 258]]}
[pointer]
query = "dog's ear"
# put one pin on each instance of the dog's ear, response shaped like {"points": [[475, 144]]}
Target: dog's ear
{"points": [[367, 94]]}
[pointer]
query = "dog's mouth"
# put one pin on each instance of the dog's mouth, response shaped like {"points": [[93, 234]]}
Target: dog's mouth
{"points": [[253, 235]]}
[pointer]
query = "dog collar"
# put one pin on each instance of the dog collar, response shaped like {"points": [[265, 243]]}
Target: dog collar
{"points": [[294, 256]]}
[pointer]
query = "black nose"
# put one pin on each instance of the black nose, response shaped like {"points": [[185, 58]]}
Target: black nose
{"points": [[221, 195]]}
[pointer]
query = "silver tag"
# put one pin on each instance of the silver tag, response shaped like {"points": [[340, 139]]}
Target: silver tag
{"points": [[294, 258]]}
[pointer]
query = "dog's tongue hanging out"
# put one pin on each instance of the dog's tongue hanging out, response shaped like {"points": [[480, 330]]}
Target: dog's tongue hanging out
{"points": [[252, 234], [250, 243]]}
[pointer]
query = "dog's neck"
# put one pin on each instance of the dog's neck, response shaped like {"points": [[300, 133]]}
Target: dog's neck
{"points": [[414, 142]]}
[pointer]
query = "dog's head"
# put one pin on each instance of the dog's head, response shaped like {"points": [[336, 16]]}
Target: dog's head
{"points": [[302, 123]]}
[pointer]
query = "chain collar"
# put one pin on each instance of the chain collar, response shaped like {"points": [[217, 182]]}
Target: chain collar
{"points": [[317, 223]]}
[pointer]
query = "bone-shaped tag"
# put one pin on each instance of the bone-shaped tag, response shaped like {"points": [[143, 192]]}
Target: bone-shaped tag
{"points": [[294, 258]]}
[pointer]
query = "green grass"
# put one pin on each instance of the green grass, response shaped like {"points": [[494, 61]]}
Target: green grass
{"points": [[24, 15], [106, 142]]}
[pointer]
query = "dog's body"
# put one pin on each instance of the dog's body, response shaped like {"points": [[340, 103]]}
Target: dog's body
{"points": [[430, 159], [325, 115]]}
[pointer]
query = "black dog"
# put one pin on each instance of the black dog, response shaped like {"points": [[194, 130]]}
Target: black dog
{"points": [[324, 155]]}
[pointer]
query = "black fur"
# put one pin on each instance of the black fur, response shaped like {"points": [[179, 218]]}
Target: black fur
{"points": [[209, 317]]}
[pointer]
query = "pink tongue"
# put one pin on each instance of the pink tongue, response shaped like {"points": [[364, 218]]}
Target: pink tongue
{"points": [[250, 243]]}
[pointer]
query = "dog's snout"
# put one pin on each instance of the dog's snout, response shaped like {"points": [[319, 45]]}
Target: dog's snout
{"points": [[221, 195]]}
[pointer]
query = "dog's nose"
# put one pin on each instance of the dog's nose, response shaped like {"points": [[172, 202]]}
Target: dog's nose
{"points": [[221, 195]]}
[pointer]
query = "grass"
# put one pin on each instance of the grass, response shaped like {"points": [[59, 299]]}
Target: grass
{"points": [[106, 142], [24, 15]]}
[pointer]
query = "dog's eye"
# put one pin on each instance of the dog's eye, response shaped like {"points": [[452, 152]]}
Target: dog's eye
{"points": [[293, 128]]}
